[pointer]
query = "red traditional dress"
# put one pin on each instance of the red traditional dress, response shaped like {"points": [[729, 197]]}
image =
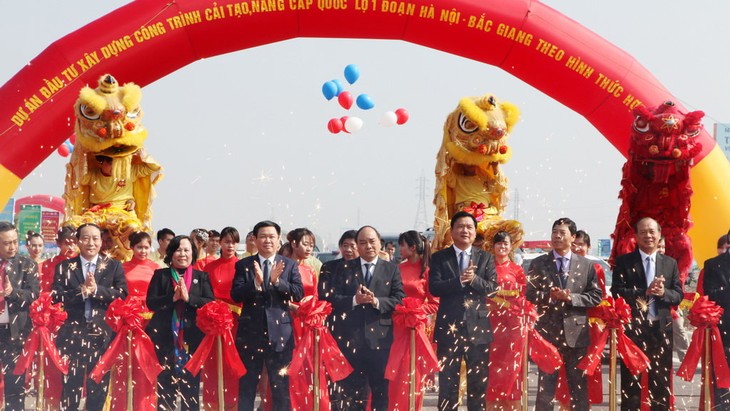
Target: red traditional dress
{"points": [[49, 270], [202, 263], [138, 274], [299, 384], [415, 284], [505, 383], [221, 271]]}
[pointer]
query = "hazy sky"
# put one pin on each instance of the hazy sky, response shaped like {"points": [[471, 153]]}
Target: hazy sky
{"points": [[243, 136]]}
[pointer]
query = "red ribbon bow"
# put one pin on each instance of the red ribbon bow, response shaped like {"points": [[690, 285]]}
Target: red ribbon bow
{"points": [[705, 314], [47, 318], [613, 314], [540, 350], [125, 317], [477, 210], [409, 315], [333, 365]]}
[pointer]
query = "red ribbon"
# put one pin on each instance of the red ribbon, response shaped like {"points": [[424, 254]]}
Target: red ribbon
{"points": [[613, 314], [409, 315], [477, 210], [705, 314], [47, 319], [333, 366], [216, 320], [125, 316]]}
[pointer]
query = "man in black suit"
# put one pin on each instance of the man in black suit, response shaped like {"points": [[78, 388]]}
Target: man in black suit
{"points": [[364, 292], [86, 285], [649, 282], [563, 285], [717, 289], [265, 283], [348, 251], [462, 276], [18, 288]]}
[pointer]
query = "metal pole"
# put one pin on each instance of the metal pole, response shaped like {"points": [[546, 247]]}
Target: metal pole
{"points": [[315, 369], [130, 392], [219, 349], [41, 380], [412, 373], [525, 370], [612, 372], [707, 375]]}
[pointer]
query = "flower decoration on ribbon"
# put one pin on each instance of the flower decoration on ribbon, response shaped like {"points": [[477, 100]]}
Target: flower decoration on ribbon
{"points": [[613, 313], [126, 319], [408, 316], [47, 319], [477, 210], [705, 315], [216, 321], [333, 366]]}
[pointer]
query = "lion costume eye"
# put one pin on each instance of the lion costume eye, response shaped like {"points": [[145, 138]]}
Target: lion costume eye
{"points": [[467, 125], [88, 112], [134, 113], [641, 125]]}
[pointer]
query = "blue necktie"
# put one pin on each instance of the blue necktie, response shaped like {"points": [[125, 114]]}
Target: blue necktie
{"points": [[462, 261], [368, 275], [649, 278], [563, 264]]}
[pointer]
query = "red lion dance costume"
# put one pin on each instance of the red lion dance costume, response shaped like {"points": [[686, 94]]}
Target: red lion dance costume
{"points": [[655, 180]]}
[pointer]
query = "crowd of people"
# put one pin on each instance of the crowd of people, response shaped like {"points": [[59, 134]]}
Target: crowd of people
{"points": [[466, 291]]}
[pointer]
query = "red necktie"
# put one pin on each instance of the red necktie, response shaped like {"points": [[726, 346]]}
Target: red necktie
{"points": [[3, 278]]}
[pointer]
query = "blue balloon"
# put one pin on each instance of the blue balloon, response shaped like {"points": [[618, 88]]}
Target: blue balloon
{"points": [[69, 145], [352, 73], [329, 90], [340, 86], [364, 102]]}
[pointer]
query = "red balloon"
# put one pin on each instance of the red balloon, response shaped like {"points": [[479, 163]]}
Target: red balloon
{"points": [[73, 138], [343, 120], [63, 150], [345, 99], [335, 125], [402, 115]]}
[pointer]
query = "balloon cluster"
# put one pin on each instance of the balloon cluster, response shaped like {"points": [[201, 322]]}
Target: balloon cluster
{"points": [[352, 124], [67, 147]]}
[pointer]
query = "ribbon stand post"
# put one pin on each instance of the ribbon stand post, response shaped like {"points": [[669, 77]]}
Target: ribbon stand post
{"points": [[412, 373], [219, 351], [316, 372], [706, 382], [130, 370], [525, 364], [612, 372], [41, 381]]}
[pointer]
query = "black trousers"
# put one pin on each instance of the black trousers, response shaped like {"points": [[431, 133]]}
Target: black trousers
{"points": [[366, 379], [83, 343], [577, 381], [477, 372], [9, 353], [255, 351], [655, 341], [172, 384]]}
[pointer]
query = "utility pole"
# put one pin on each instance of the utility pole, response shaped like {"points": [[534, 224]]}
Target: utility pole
{"points": [[421, 224], [516, 211]]}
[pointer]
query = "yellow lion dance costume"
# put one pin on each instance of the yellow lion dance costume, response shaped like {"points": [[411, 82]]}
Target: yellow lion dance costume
{"points": [[109, 178], [468, 176]]}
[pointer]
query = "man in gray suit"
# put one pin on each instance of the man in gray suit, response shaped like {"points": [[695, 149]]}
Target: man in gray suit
{"points": [[462, 277], [18, 288], [649, 282], [563, 285], [364, 292]]}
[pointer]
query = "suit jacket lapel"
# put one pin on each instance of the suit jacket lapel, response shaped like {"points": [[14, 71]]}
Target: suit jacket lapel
{"points": [[552, 269], [75, 265]]}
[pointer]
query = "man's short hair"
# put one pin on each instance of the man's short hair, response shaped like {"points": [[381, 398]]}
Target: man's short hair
{"points": [[84, 225], [363, 228], [347, 235], [6, 226], [566, 221], [721, 242], [164, 232], [636, 226], [462, 214], [263, 224]]}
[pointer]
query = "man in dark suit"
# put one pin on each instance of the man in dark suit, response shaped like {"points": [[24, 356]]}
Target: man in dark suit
{"points": [[649, 282], [563, 285], [717, 286], [348, 251], [363, 293], [265, 283], [18, 288], [86, 285], [462, 276]]}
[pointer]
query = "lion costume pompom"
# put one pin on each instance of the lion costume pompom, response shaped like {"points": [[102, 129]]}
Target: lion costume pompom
{"points": [[468, 176], [655, 179], [109, 178]]}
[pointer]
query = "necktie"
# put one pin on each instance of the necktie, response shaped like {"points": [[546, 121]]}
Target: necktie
{"points": [[368, 275], [3, 278], [462, 261], [649, 278], [563, 264], [267, 270], [87, 304]]}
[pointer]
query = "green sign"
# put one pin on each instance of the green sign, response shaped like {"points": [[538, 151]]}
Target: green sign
{"points": [[29, 218]]}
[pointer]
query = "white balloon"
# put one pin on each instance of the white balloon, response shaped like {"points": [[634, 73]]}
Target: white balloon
{"points": [[353, 124], [389, 119]]}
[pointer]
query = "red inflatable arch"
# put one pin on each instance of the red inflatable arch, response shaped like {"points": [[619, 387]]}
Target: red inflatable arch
{"points": [[147, 39]]}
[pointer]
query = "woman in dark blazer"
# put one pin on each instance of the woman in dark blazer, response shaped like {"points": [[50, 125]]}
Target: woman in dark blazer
{"points": [[174, 295]]}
